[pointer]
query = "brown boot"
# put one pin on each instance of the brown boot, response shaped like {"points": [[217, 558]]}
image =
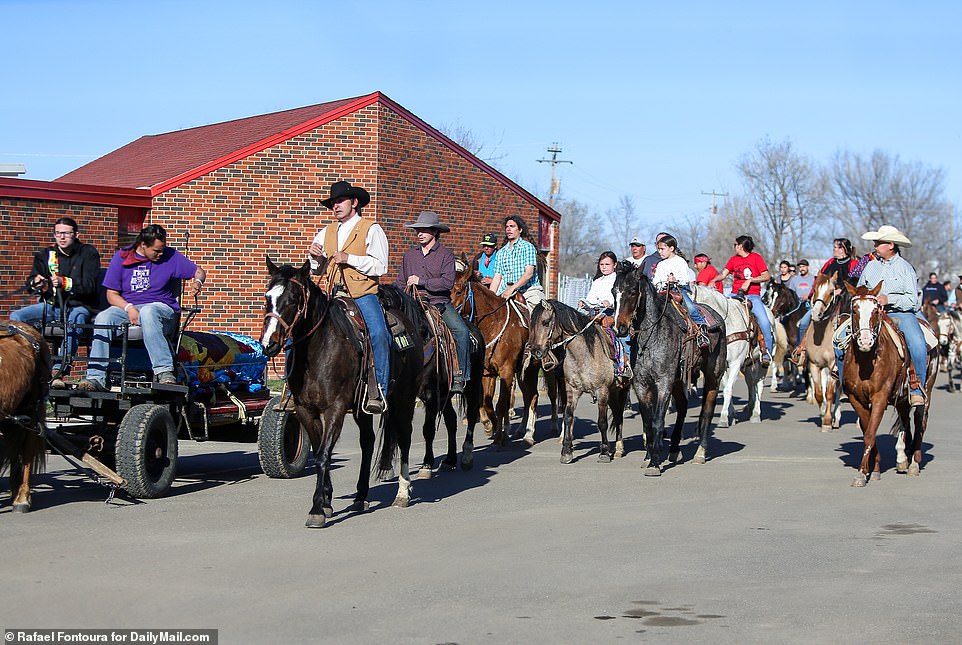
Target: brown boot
{"points": [[286, 403]]}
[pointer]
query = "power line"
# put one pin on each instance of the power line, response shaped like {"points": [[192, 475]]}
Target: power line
{"points": [[554, 161]]}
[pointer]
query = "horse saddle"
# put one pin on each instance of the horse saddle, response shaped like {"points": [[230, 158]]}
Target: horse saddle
{"points": [[441, 339]]}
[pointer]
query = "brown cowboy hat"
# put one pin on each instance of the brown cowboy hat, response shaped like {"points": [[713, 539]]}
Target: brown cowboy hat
{"points": [[427, 219], [341, 189], [888, 233]]}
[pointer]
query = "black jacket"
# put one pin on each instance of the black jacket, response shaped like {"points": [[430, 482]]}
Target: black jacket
{"points": [[934, 292], [82, 266]]}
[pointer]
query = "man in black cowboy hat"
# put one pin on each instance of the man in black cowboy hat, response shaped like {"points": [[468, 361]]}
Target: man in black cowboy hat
{"points": [[357, 250], [430, 268]]}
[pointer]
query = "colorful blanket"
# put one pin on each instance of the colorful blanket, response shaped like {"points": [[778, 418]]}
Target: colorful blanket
{"points": [[222, 357]]}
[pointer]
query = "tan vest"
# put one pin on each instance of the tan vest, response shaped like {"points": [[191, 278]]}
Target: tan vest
{"points": [[356, 283]]}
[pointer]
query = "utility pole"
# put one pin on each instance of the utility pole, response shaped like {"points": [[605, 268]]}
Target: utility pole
{"points": [[554, 161], [714, 209]]}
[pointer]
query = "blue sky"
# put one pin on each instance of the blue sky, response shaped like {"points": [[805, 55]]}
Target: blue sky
{"points": [[652, 100]]}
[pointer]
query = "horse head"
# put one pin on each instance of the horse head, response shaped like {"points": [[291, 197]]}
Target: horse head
{"points": [[823, 295], [543, 330], [946, 329], [628, 296], [286, 303], [867, 314], [462, 291]]}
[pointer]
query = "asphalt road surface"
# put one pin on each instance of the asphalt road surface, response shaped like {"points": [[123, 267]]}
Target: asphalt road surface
{"points": [[765, 543]]}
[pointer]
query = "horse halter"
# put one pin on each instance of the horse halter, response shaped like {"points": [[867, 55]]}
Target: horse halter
{"points": [[288, 328]]}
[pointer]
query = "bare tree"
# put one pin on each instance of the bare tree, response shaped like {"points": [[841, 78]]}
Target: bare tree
{"points": [[785, 197], [880, 189], [467, 139], [622, 225], [578, 246]]}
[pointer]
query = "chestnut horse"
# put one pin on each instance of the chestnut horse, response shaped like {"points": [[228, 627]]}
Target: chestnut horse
{"points": [[875, 376], [25, 366], [504, 325], [323, 374]]}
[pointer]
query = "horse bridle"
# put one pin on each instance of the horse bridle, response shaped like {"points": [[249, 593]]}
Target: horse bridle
{"points": [[288, 328], [877, 330]]}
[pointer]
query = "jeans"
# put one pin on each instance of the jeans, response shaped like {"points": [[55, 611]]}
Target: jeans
{"points": [[156, 320], [908, 324], [36, 314], [462, 337], [370, 308], [693, 311], [758, 308], [804, 323]]}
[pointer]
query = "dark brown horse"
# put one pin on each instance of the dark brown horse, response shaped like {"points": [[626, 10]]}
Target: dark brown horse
{"points": [[24, 379], [875, 376], [504, 325], [325, 368], [583, 349]]}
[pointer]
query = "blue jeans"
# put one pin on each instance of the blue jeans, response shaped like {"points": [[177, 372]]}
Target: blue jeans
{"points": [[804, 323], [370, 308], [462, 337], [693, 311], [35, 314], [156, 320], [758, 308], [908, 324]]}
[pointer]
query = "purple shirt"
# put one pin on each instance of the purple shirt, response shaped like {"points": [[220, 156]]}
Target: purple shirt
{"points": [[141, 281], [435, 270]]}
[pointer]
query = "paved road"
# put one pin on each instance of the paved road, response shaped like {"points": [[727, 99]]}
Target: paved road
{"points": [[765, 543]]}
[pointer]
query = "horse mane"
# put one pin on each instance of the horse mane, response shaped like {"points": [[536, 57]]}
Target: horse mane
{"points": [[568, 319]]}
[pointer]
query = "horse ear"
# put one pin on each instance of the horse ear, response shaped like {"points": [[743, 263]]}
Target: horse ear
{"points": [[271, 267], [305, 269], [849, 287], [877, 288]]}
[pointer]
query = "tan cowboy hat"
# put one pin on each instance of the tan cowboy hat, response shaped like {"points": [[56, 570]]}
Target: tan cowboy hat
{"points": [[888, 233], [427, 219]]}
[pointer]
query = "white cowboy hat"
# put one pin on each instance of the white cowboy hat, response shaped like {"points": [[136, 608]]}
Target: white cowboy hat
{"points": [[888, 233]]}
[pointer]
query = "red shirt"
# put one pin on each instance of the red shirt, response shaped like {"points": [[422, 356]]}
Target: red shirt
{"points": [[705, 276], [742, 268]]}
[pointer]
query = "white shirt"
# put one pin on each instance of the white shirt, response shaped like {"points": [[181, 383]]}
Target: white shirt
{"points": [[600, 290], [373, 264], [676, 265]]}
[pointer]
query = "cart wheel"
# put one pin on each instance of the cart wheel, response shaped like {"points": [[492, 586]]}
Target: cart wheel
{"points": [[282, 444], [147, 450]]}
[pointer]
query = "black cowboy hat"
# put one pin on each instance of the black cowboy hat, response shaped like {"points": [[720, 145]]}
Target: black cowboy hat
{"points": [[341, 189], [427, 219]]}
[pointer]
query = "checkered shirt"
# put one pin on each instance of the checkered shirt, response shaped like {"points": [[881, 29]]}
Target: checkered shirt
{"points": [[511, 260]]}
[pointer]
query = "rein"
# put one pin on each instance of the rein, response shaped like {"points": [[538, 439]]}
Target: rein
{"points": [[562, 343], [288, 328]]}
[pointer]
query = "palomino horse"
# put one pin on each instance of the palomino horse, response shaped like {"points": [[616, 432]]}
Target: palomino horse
{"points": [[323, 375], [949, 328], [436, 383], [659, 368], [504, 325], [741, 355], [25, 365], [875, 376], [828, 302], [584, 351]]}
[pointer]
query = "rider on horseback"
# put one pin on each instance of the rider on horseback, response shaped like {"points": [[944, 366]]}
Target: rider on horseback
{"points": [[749, 272], [899, 296], [359, 251], [430, 267], [672, 273]]}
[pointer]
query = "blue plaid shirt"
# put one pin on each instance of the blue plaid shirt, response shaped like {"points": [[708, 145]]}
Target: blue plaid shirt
{"points": [[511, 260], [899, 282]]}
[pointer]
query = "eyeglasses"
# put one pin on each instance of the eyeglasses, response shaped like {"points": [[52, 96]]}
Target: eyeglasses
{"points": [[63, 233]]}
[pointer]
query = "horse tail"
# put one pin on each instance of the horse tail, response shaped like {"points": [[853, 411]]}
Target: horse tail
{"points": [[387, 440], [897, 426]]}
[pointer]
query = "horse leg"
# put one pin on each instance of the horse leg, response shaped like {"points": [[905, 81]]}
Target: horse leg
{"points": [[616, 397], [835, 390], [529, 394], [727, 415], [901, 459], [681, 411], [450, 417], [604, 449], [472, 398], [428, 430], [20, 483], [326, 434], [870, 448], [755, 401], [657, 403], [489, 383], [567, 433], [402, 416], [709, 400], [500, 418], [366, 439]]}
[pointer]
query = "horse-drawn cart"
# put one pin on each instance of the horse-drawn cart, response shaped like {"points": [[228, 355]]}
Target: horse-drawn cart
{"points": [[134, 427]]}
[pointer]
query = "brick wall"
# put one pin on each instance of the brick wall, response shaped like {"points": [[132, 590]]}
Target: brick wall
{"points": [[27, 226]]}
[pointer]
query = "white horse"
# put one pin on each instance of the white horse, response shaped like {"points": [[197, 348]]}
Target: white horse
{"points": [[742, 356]]}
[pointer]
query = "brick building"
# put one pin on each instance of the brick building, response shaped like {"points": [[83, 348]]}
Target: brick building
{"points": [[252, 186]]}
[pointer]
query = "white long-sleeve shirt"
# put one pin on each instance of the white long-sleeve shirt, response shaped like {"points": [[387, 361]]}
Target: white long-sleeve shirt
{"points": [[674, 265], [373, 264], [600, 291]]}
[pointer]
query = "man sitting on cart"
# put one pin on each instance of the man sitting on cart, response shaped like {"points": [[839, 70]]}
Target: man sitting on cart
{"points": [[142, 283]]}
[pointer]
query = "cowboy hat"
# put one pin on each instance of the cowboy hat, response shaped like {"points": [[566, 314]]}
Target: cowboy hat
{"points": [[427, 219], [888, 233], [341, 189]]}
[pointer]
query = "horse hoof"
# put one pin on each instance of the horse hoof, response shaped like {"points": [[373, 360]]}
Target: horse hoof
{"points": [[449, 466], [700, 456], [401, 502], [467, 464], [21, 508], [875, 477], [652, 471], [328, 512], [315, 521], [604, 458], [424, 473], [859, 481], [530, 441], [826, 428], [359, 506], [618, 454], [913, 470], [567, 458], [755, 420], [902, 467]]}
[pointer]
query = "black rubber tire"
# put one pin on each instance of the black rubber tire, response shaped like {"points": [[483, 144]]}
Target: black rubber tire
{"points": [[282, 444], [146, 450]]}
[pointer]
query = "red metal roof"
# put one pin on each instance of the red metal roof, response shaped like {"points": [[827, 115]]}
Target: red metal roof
{"points": [[164, 161], [74, 193]]}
